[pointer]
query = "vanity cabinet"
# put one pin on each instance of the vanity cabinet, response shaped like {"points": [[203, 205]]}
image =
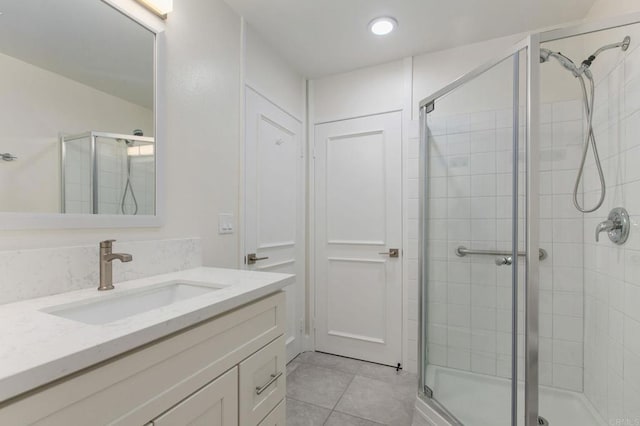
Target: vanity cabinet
{"points": [[214, 405], [262, 382], [226, 370], [278, 417]]}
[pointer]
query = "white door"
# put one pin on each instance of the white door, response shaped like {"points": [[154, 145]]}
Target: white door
{"points": [[274, 202], [358, 215]]}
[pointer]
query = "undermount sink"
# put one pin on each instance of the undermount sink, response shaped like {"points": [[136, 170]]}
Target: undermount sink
{"points": [[109, 308]]}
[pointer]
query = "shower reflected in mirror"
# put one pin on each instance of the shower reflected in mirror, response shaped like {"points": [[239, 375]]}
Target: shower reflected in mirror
{"points": [[108, 173]]}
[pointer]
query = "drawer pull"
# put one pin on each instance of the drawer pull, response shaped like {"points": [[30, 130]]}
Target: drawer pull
{"points": [[274, 377]]}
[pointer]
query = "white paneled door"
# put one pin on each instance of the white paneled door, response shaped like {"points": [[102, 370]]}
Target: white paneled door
{"points": [[358, 237], [274, 202]]}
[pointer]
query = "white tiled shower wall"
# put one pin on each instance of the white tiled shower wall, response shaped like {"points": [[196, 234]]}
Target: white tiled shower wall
{"points": [[612, 272], [470, 297], [77, 177]]}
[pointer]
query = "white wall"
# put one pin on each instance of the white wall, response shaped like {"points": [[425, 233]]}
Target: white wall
{"points": [[201, 90], [607, 8], [433, 71], [40, 105], [357, 93], [273, 77]]}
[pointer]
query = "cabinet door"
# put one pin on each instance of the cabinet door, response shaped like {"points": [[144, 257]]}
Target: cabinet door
{"points": [[214, 405], [262, 382], [278, 417]]}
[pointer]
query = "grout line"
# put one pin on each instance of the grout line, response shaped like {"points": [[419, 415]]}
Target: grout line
{"points": [[308, 403], [341, 395], [343, 392], [358, 417], [328, 417]]}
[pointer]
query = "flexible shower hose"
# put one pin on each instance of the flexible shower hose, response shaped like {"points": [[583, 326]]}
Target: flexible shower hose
{"points": [[590, 139], [129, 188]]}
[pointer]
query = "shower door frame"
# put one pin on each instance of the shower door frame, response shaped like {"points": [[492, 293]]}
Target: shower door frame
{"points": [[531, 48]]}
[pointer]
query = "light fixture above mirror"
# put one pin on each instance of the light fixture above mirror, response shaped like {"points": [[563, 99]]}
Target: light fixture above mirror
{"points": [[159, 7]]}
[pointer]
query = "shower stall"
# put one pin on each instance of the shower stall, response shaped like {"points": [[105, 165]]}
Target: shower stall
{"points": [[108, 173], [529, 249]]}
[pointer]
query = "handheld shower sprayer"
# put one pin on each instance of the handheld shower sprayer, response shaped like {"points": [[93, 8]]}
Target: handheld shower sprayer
{"points": [[580, 73], [546, 54]]}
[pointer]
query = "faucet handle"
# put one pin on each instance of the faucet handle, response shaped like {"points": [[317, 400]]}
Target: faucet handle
{"points": [[106, 243], [617, 226], [605, 226]]}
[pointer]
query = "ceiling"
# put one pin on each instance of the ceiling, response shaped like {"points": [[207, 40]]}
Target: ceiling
{"points": [[86, 41], [321, 37]]}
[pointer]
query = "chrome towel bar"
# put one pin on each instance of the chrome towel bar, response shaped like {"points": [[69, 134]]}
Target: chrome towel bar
{"points": [[462, 251]]}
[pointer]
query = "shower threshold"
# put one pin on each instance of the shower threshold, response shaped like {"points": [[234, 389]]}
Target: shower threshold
{"points": [[481, 400]]}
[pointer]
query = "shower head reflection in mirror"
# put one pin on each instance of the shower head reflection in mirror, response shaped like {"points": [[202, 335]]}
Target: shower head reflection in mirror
{"points": [[581, 72]]}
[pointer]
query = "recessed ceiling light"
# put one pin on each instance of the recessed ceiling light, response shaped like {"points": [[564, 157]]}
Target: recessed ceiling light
{"points": [[383, 25]]}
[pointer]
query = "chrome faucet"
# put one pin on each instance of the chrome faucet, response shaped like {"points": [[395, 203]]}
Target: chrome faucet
{"points": [[106, 266]]}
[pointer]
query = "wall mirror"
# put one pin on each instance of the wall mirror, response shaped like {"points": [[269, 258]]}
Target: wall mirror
{"points": [[77, 112]]}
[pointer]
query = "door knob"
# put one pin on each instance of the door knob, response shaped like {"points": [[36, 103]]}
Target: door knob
{"points": [[393, 252], [507, 260], [253, 258]]}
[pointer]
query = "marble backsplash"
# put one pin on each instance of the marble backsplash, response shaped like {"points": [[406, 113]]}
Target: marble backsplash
{"points": [[25, 274]]}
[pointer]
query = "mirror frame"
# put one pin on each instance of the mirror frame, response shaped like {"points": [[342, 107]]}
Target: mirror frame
{"points": [[26, 221]]}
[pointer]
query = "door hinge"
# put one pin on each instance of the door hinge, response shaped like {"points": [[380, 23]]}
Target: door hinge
{"points": [[428, 392]]}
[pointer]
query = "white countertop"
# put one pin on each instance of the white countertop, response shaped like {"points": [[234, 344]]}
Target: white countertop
{"points": [[37, 348]]}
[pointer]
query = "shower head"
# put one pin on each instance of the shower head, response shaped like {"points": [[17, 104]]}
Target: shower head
{"points": [[136, 132], [545, 54]]}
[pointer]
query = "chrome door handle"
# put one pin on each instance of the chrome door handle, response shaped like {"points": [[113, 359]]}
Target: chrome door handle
{"points": [[274, 377], [252, 258], [507, 260], [392, 252]]}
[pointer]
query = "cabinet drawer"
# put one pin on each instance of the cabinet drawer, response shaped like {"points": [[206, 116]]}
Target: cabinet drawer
{"points": [[214, 405], [278, 417], [262, 382]]}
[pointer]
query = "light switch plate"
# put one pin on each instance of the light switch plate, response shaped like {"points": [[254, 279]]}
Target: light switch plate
{"points": [[225, 223]]}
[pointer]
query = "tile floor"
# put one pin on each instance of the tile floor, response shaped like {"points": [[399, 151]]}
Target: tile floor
{"points": [[330, 390]]}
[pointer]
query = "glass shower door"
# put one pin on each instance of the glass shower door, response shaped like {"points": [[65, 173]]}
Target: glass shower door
{"points": [[473, 176]]}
